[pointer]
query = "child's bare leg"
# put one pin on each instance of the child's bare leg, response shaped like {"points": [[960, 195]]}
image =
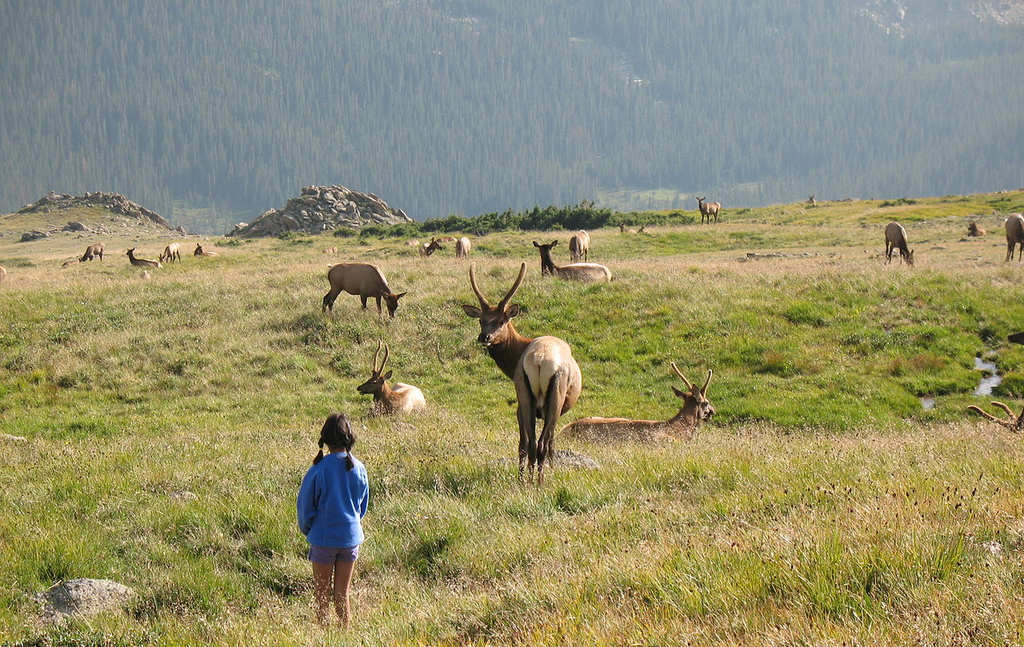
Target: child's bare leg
{"points": [[322, 574], [342, 578]]}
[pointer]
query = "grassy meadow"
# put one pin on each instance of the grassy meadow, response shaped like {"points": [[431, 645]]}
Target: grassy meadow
{"points": [[168, 422]]}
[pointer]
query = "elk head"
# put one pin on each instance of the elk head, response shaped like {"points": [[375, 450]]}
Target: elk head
{"points": [[494, 320], [547, 266], [391, 299], [696, 398], [376, 382], [910, 258]]}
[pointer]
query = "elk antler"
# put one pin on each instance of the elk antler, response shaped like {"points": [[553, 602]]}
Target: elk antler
{"points": [[515, 286], [387, 353], [1012, 421], [479, 294], [380, 342], [681, 376], [704, 389]]}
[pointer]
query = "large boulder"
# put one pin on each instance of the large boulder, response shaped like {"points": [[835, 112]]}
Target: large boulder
{"points": [[322, 208]]}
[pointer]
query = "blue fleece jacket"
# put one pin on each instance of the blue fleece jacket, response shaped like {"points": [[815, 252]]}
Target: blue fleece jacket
{"points": [[331, 502]]}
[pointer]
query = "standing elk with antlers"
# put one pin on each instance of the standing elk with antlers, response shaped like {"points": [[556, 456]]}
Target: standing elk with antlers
{"points": [[547, 379], [708, 209], [579, 246], [397, 398], [574, 271], [896, 238], [695, 410], [1014, 236]]}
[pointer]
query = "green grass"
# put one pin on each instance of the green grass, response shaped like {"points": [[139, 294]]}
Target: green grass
{"points": [[823, 505]]}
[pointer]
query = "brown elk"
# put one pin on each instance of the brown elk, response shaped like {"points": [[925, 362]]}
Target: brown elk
{"points": [[462, 247], [171, 253], [363, 280], [579, 246], [546, 377], [696, 409], [426, 249], [1012, 421], [708, 209], [896, 238], [141, 262], [1014, 235], [202, 251], [974, 230], [592, 272], [397, 398], [92, 251]]}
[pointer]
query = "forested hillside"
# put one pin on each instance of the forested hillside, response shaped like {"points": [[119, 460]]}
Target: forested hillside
{"points": [[213, 111]]}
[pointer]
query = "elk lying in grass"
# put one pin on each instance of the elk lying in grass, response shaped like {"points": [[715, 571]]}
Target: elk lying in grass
{"points": [[574, 271], [974, 230], [171, 253], [1012, 421], [546, 377], [92, 251], [330, 250], [202, 251], [462, 247], [579, 246], [896, 238], [141, 262], [1014, 235], [708, 209], [623, 229], [397, 398], [363, 280], [695, 410], [426, 249]]}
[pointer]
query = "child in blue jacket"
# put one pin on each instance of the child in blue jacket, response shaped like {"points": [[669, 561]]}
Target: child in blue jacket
{"points": [[331, 502]]}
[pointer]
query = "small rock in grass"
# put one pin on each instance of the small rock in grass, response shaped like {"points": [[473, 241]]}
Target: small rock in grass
{"points": [[82, 597]]}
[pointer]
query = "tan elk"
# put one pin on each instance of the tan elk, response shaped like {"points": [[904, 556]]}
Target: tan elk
{"points": [[579, 246], [696, 409], [426, 249], [1012, 421], [462, 247], [708, 209], [141, 262], [896, 238], [202, 251], [171, 253], [92, 251], [591, 272], [546, 377], [973, 230], [397, 398], [1014, 235], [363, 280]]}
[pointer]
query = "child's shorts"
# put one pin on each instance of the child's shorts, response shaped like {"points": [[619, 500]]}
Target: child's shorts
{"points": [[330, 555]]}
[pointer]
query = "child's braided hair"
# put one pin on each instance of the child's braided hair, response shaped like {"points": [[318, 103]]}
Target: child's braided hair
{"points": [[337, 434]]}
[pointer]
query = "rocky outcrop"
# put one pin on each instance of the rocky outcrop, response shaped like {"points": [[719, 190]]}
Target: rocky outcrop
{"points": [[114, 202], [320, 209]]}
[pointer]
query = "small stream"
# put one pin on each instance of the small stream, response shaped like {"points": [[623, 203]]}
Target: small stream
{"points": [[990, 379]]}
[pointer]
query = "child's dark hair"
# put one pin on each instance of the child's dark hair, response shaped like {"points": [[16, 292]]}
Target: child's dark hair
{"points": [[337, 434]]}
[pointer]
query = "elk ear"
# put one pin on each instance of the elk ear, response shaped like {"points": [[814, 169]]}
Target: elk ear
{"points": [[471, 311], [535, 244], [399, 296], [387, 376], [513, 310], [681, 394], [554, 242]]}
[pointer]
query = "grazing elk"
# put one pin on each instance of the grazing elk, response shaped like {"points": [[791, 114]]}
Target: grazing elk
{"points": [[974, 230], [695, 410], [171, 253], [574, 271], [579, 246], [363, 280], [397, 398], [546, 377], [1014, 235], [462, 247], [92, 251], [896, 238], [708, 209], [141, 262], [1012, 421], [202, 251]]}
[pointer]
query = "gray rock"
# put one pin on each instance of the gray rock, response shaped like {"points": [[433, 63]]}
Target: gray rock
{"points": [[82, 597], [75, 226], [29, 236], [573, 460]]}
